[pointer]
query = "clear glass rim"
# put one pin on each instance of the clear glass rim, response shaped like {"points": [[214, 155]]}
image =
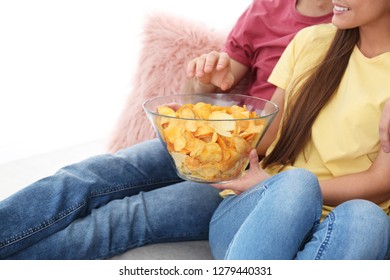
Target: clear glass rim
{"points": [[274, 106]]}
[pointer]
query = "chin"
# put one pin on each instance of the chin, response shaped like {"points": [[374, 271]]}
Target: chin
{"points": [[341, 24]]}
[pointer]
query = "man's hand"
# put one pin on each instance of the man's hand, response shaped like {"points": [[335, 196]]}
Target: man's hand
{"points": [[213, 68]]}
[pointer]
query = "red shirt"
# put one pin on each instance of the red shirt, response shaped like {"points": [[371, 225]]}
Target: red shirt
{"points": [[260, 36]]}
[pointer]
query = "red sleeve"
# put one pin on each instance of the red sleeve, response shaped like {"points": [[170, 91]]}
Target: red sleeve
{"points": [[238, 44]]}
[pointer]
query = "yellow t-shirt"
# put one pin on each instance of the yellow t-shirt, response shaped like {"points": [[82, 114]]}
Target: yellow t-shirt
{"points": [[345, 137]]}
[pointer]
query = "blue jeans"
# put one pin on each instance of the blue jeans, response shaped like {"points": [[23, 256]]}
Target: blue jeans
{"points": [[104, 206], [280, 219]]}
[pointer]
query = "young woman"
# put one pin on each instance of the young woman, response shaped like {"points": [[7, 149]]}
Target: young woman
{"points": [[108, 204], [323, 190]]}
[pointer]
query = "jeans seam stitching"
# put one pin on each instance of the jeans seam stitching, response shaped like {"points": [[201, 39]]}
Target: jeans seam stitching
{"points": [[321, 250], [238, 200], [122, 187], [47, 223], [30, 231]]}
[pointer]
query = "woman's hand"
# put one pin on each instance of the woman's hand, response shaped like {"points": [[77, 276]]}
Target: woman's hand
{"points": [[253, 176], [213, 68], [384, 128]]}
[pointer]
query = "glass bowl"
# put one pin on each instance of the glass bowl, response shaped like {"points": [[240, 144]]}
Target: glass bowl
{"points": [[209, 136]]}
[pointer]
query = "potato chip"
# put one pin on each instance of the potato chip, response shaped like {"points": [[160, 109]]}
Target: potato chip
{"points": [[252, 129], [204, 131], [174, 135], [235, 109], [222, 127], [193, 145], [186, 112], [166, 111], [241, 145], [178, 158], [208, 142], [241, 125], [202, 110], [191, 125], [210, 171], [212, 152], [214, 138]]}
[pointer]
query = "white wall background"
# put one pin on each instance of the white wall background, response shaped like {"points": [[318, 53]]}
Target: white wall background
{"points": [[66, 66]]}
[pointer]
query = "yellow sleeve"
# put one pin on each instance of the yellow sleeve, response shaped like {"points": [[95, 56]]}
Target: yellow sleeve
{"points": [[282, 73], [303, 53]]}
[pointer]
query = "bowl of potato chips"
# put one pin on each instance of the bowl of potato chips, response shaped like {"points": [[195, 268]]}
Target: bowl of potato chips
{"points": [[209, 136]]}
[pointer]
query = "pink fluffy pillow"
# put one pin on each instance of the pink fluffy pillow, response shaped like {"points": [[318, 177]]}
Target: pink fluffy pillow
{"points": [[169, 42]]}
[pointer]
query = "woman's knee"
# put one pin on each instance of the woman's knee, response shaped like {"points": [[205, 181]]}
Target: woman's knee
{"points": [[362, 228], [300, 186], [363, 215]]}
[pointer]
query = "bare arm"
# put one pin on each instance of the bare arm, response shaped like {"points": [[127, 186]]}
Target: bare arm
{"points": [[372, 184], [270, 135], [384, 128], [212, 72]]}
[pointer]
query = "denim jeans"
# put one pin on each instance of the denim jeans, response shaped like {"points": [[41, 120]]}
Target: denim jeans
{"points": [[104, 206], [280, 219], [108, 204]]}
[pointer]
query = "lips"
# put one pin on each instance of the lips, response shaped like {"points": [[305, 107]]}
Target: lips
{"points": [[341, 9]]}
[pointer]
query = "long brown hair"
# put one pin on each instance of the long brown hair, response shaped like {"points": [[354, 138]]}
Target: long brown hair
{"points": [[308, 99]]}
